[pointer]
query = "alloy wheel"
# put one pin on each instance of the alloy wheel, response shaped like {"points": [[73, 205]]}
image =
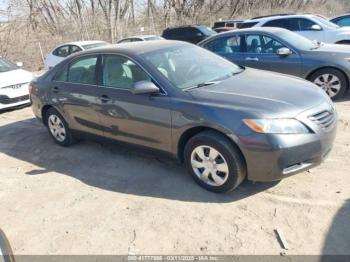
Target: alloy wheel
{"points": [[209, 165], [329, 83], [57, 128]]}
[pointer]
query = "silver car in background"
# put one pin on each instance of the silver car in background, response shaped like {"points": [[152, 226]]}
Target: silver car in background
{"points": [[280, 50]]}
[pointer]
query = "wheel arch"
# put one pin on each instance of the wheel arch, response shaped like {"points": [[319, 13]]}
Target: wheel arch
{"points": [[44, 109], [191, 132], [308, 77]]}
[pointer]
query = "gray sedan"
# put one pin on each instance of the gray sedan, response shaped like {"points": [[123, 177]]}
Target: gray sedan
{"points": [[283, 51], [225, 122]]}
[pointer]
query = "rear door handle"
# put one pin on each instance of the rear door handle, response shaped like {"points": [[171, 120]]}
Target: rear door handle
{"points": [[55, 89], [105, 98], [252, 59]]}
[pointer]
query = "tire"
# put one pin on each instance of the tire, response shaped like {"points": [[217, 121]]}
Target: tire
{"points": [[334, 76], [57, 126], [228, 168]]}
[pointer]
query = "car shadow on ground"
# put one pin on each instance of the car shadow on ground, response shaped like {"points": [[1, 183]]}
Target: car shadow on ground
{"points": [[110, 167], [337, 241]]}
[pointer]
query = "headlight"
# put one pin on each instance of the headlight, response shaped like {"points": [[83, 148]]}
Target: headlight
{"points": [[276, 126], [347, 59]]}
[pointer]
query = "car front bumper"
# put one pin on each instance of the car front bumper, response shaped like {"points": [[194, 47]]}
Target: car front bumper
{"points": [[277, 156], [14, 96], [7, 102]]}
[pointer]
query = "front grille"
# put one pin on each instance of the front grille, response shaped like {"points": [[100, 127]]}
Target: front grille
{"points": [[6, 100], [324, 119]]}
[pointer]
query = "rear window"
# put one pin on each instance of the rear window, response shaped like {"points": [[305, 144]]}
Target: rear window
{"points": [[246, 25]]}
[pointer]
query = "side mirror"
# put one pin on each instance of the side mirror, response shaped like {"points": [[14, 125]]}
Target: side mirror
{"points": [[316, 27], [6, 254], [284, 51], [145, 87], [19, 64]]}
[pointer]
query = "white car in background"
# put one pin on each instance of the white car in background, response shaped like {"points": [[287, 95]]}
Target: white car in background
{"points": [[14, 83], [313, 27], [140, 38], [59, 53]]}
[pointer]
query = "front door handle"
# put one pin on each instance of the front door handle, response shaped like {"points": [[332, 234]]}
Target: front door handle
{"points": [[252, 59], [105, 98], [55, 89]]}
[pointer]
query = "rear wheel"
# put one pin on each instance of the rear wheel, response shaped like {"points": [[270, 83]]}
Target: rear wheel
{"points": [[214, 163], [331, 80], [58, 128]]}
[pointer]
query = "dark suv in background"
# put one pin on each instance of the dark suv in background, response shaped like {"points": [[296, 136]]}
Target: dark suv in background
{"points": [[192, 33]]}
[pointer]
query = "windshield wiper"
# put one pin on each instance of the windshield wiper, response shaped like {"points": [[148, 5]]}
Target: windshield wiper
{"points": [[214, 81], [201, 85]]}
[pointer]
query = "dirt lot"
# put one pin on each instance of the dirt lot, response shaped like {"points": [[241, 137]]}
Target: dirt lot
{"points": [[95, 198]]}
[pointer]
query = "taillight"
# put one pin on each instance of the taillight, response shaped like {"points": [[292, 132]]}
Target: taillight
{"points": [[32, 89]]}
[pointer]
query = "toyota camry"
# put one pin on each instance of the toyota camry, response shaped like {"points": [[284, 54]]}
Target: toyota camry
{"points": [[223, 121]]}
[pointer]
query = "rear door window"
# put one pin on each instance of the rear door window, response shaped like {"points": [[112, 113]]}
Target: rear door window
{"points": [[282, 23], [83, 71], [224, 45]]}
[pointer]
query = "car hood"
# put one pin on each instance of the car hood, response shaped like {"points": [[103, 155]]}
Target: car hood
{"points": [[344, 30], [14, 77], [333, 48], [262, 93]]}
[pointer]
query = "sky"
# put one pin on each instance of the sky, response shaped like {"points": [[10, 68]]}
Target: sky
{"points": [[3, 7]]}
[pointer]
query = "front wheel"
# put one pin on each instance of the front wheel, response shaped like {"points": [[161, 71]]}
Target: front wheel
{"points": [[332, 81], [214, 163]]}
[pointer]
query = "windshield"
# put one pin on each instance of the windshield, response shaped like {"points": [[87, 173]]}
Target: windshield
{"points": [[6, 66], [297, 40], [325, 22], [90, 46], [178, 65]]}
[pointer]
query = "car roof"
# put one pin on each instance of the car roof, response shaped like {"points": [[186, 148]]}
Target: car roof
{"points": [[139, 36], [80, 43], [136, 48], [271, 30], [226, 27], [274, 17], [228, 20], [184, 26]]}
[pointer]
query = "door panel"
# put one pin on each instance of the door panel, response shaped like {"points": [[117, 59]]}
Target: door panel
{"points": [[75, 91], [140, 119]]}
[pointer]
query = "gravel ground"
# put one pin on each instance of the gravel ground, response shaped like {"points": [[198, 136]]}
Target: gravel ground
{"points": [[96, 198]]}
